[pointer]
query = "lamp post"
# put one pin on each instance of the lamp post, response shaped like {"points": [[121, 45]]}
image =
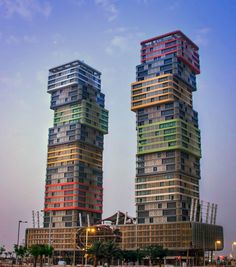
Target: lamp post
{"points": [[87, 230], [18, 237], [233, 244]]}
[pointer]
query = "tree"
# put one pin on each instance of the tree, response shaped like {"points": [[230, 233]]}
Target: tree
{"points": [[2, 250], [48, 251], [34, 250], [40, 250], [20, 251], [129, 256], [107, 250], [111, 251], [156, 252], [133, 255], [97, 251], [140, 254]]}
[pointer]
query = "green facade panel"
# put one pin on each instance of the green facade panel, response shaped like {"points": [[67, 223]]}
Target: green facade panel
{"points": [[86, 113], [169, 135]]}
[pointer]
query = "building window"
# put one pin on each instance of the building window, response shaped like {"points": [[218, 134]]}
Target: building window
{"points": [[171, 205], [171, 219]]}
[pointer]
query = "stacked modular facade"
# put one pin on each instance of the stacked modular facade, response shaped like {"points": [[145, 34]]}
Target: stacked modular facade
{"points": [[168, 137], [74, 176]]}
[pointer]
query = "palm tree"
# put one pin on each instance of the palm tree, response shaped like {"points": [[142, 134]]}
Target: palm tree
{"points": [[2, 250], [40, 250], [20, 251], [156, 252], [97, 251], [48, 251], [34, 250], [129, 256], [133, 255], [140, 254], [111, 251]]}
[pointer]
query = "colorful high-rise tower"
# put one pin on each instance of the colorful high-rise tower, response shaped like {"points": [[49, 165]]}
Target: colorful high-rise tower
{"points": [[74, 179], [168, 137], [169, 212]]}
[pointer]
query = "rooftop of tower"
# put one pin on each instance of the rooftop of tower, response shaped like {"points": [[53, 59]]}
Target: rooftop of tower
{"points": [[72, 64], [170, 33]]}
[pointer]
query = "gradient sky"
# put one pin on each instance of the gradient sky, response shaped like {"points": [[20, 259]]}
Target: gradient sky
{"points": [[36, 35]]}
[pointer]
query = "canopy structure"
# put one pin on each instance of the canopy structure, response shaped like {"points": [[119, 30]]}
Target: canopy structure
{"points": [[119, 218]]}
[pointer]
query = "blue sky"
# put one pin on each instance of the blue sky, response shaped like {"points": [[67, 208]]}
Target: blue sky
{"points": [[37, 35]]}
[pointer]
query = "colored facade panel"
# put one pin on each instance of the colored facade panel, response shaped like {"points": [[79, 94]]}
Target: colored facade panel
{"points": [[168, 137], [161, 89], [85, 113], [74, 179], [174, 43]]}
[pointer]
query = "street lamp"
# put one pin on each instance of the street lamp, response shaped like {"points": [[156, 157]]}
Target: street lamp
{"points": [[87, 230], [18, 236], [217, 242], [233, 244], [18, 233]]}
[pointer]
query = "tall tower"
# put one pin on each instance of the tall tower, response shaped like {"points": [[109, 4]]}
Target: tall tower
{"points": [[74, 177], [168, 137]]}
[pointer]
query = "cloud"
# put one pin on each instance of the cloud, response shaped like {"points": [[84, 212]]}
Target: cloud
{"points": [[12, 40], [204, 30], [10, 82], [117, 30], [24, 8], [41, 77], [78, 3], [174, 5], [142, 2], [29, 39], [61, 54], [202, 36], [109, 7], [25, 39], [118, 43], [123, 40], [57, 39]]}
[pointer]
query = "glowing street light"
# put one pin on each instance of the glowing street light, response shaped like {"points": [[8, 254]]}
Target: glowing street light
{"points": [[87, 231], [217, 242]]}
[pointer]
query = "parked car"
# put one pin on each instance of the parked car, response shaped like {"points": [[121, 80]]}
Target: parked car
{"points": [[61, 263]]}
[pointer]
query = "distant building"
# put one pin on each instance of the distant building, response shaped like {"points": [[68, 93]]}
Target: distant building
{"points": [[74, 179]]}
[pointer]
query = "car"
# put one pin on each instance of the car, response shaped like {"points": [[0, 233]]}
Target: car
{"points": [[61, 263]]}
